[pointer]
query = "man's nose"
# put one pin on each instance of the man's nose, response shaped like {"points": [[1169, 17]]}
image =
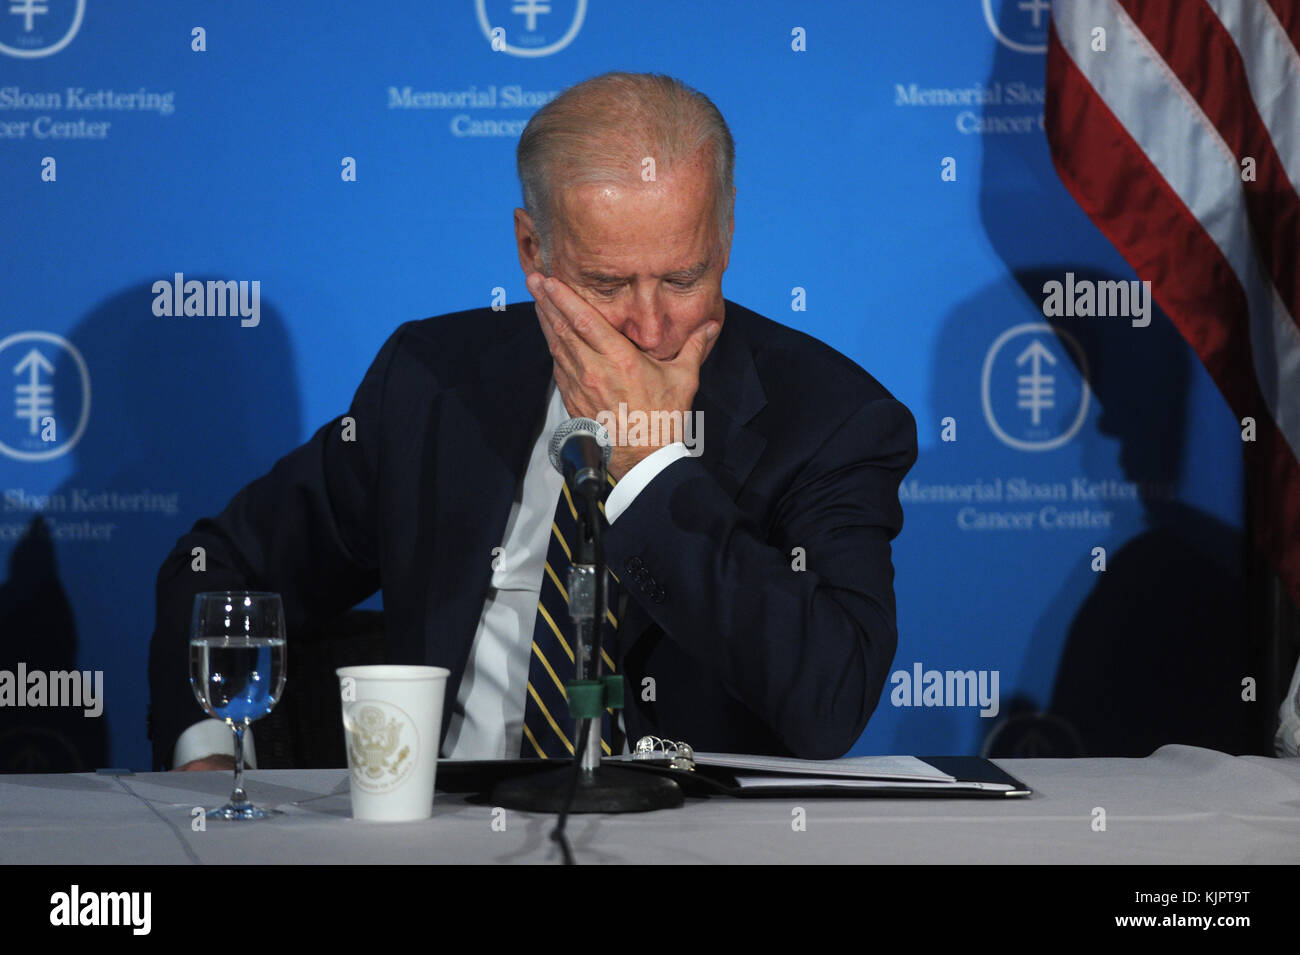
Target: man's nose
{"points": [[643, 324]]}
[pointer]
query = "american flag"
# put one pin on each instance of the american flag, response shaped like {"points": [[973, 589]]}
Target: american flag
{"points": [[1175, 124]]}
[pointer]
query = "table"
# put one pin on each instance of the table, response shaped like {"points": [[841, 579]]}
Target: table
{"points": [[1182, 804]]}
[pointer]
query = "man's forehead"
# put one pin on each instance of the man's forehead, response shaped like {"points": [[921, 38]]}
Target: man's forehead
{"points": [[685, 191], [611, 231], [673, 246]]}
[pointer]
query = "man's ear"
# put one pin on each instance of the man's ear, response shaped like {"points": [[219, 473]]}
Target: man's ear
{"points": [[731, 233], [726, 245], [527, 243]]}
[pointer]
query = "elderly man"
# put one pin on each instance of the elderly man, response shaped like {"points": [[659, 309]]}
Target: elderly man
{"points": [[751, 561]]}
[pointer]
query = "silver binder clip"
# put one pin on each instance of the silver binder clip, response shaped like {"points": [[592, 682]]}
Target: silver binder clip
{"points": [[679, 755]]}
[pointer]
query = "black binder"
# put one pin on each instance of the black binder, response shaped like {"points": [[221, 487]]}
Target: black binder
{"points": [[976, 777]]}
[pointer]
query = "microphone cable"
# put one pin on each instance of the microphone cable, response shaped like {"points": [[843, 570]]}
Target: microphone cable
{"points": [[557, 834]]}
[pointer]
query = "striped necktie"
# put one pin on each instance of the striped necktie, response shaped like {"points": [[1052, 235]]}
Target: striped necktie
{"points": [[548, 727]]}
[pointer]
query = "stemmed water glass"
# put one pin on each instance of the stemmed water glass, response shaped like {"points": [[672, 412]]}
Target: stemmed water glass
{"points": [[237, 662]]}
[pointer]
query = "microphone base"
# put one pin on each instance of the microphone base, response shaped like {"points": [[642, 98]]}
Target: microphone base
{"points": [[603, 789]]}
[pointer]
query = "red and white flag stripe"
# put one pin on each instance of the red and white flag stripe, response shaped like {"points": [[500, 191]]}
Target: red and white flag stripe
{"points": [[1181, 140]]}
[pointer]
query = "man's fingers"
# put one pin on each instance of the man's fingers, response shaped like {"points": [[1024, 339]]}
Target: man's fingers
{"points": [[572, 353], [553, 341], [567, 363], [696, 347], [565, 366], [584, 319], [552, 321], [562, 337]]}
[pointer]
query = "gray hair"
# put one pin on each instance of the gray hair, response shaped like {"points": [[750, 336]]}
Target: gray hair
{"points": [[600, 131]]}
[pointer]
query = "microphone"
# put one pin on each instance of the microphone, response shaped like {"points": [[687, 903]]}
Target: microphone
{"points": [[580, 450]]}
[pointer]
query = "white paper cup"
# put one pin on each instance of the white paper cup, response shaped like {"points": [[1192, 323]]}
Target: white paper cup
{"points": [[392, 719]]}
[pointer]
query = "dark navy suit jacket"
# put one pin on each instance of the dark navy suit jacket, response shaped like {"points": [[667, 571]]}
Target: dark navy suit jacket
{"points": [[803, 452]]}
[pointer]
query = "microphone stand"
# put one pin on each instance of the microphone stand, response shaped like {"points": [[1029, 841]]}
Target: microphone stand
{"points": [[598, 787], [588, 598]]}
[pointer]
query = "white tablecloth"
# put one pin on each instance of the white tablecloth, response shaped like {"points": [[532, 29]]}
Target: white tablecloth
{"points": [[1180, 805]]}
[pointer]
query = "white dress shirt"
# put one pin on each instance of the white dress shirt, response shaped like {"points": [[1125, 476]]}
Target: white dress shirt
{"points": [[488, 716]]}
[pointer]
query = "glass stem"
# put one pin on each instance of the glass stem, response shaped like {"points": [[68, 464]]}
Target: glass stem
{"points": [[237, 797]]}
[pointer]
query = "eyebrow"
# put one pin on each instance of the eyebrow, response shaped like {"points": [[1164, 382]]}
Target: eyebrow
{"points": [[680, 275]]}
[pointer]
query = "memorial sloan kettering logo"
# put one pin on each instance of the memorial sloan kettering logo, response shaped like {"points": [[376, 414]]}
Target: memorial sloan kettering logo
{"points": [[462, 124], [1034, 387], [530, 27], [998, 104], [1019, 26], [33, 28], [47, 395], [382, 743], [527, 28], [75, 112]]}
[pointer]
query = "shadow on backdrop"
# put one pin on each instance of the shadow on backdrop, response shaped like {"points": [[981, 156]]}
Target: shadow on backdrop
{"points": [[1152, 650], [1157, 651], [187, 409]]}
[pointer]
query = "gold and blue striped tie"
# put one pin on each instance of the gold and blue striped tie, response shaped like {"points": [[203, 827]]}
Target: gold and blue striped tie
{"points": [[548, 728]]}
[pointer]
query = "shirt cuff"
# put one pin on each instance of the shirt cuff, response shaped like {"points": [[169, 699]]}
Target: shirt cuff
{"points": [[212, 737], [635, 480]]}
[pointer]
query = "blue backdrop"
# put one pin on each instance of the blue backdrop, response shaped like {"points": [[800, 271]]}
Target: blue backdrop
{"points": [[890, 164]]}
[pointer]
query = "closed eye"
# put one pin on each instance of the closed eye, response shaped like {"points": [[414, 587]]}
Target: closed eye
{"points": [[677, 283]]}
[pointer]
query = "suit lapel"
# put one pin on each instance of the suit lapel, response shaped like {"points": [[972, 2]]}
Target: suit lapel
{"points": [[498, 400], [507, 389], [730, 395]]}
